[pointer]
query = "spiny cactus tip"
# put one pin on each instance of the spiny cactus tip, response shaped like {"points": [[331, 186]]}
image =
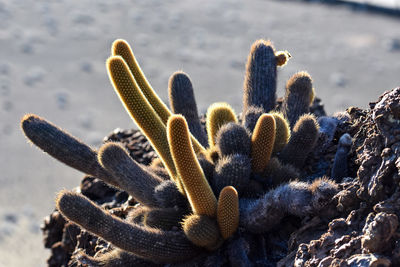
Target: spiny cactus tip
{"points": [[27, 119], [118, 45], [259, 43], [110, 151], [63, 200], [301, 79]]}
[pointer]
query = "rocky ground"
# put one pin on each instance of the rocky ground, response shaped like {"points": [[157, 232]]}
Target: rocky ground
{"points": [[52, 64]]}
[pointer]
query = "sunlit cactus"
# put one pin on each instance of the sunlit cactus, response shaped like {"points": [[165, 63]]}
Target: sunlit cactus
{"points": [[214, 188]]}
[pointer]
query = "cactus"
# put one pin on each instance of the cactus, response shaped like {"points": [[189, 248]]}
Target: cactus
{"points": [[250, 117], [339, 168], [296, 198], [121, 48], [232, 170], [248, 165], [327, 126], [298, 98], [228, 211], [302, 141], [115, 258], [233, 138], [282, 135], [140, 110], [202, 230], [218, 114], [64, 147], [182, 101], [149, 243], [199, 192], [260, 80], [130, 176], [163, 218], [262, 142], [277, 172]]}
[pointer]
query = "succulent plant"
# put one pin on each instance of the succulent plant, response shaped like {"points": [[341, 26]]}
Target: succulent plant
{"points": [[220, 193]]}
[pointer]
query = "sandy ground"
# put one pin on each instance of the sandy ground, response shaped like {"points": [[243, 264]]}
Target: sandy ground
{"points": [[52, 63]]}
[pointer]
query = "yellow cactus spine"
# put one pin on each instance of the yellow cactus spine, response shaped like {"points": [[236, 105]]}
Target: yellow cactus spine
{"points": [[121, 48], [282, 131], [262, 142], [228, 211], [198, 191], [140, 110], [218, 114]]}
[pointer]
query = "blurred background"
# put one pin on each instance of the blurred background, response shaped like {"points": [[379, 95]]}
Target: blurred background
{"points": [[52, 64]]}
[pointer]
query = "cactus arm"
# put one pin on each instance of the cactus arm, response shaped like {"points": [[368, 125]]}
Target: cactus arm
{"points": [[218, 114], [296, 198], [198, 191], [114, 258], [131, 177], [64, 147], [262, 142], [339, 168], [250, 117], [233, 138], [202, 231], [182, 101], [282, 135], [149, 243], [302, 141], [260, 80], [232, 170], [228, 211], [121, 48], [298, 97], [140, 110]]}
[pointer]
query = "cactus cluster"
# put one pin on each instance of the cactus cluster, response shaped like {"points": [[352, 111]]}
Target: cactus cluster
{"points": [[237, 177]]}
